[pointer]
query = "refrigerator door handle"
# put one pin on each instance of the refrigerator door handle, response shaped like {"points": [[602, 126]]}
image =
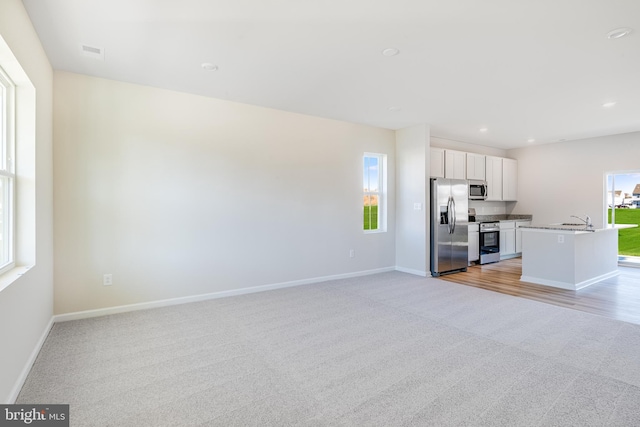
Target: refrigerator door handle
{"points": [[449, 215], [453, 206]]}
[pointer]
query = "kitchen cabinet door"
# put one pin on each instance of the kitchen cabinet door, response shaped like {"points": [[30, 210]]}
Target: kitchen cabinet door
{"points": [[455, 164], [437, 163], [476, 166], [519, 235], [509, 179], [494, 178], [474, 243], [507, 239]]}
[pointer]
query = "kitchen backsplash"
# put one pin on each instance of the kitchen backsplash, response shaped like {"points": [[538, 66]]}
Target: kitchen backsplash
{"points": [[488, 208]]}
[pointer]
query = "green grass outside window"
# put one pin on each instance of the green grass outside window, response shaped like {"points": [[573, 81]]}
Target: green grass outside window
{"points": [[371, 217], [628, 239]]}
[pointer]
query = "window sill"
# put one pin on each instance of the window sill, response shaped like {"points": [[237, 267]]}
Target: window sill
{"points": [[7, 278], [374, 231]]}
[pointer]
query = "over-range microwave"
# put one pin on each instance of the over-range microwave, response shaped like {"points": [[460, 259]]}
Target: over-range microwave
{"points": [[477, 190]]}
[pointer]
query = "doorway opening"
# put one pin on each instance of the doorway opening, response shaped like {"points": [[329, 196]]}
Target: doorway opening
{"points": [[622, 204]]}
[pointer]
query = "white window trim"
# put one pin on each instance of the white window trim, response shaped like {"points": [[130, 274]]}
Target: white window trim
{"points": [[382, 193], [7, 166]]}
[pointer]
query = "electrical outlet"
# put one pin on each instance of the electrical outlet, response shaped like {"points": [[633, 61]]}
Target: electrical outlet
{"points": [[107, 280], [352, 253], [560, 238]]}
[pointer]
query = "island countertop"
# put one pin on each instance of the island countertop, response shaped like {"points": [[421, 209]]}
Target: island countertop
{"points": [[572, 228]]}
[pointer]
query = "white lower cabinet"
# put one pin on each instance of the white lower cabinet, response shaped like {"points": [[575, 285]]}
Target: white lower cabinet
{"points": [[511, 238], [474, 242], [519, 235], [507, 239]]}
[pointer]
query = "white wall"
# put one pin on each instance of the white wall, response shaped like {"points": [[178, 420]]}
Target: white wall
{"points": [[179, 195], [412, 186], [466, 147], [26, 305], [567, 178]]}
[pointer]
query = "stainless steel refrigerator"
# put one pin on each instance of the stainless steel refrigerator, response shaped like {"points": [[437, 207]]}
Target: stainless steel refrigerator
{"points": [[449, 225]]}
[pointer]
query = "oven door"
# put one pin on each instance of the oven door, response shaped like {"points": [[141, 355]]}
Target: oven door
{"points": [[489, 246]]}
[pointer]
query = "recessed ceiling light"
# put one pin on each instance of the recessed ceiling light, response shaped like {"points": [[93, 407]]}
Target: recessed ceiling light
{"points": [[531, 140], [619, 32], [608, 104], [391, 51], [483, 130], [394, 108], [209, 66]]}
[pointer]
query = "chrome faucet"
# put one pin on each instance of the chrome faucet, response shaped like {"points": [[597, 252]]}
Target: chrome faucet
{"points": [[586, 220]]}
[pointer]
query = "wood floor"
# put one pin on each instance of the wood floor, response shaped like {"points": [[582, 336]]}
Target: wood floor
{"points": [[617, 297]]}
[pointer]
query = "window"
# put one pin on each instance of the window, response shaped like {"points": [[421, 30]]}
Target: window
{"points": [[7, 172], [374, 185], [622, 204]]}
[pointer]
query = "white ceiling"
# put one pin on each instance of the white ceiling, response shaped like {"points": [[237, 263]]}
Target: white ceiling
{"points": [[521, 68]]}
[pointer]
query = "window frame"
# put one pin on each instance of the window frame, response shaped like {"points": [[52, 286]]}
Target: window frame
{"points": [[381, 193], [7, 168]]}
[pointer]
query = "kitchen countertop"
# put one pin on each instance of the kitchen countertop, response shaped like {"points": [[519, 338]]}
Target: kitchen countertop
{"points": [[503, 217], [574, 229]]}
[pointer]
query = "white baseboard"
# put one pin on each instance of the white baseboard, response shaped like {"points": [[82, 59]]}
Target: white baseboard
{"points": [[412, 271], [222, 294], [27, 367], [568, 285]]}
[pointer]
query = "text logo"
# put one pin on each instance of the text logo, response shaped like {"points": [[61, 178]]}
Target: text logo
{"points": [[34, 415]]}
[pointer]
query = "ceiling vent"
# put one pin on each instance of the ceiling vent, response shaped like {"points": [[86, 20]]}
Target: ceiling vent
{"points": [[93, 52]]}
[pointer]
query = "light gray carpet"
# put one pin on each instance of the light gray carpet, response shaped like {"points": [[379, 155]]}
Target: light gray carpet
{"points": [[385, 350]]}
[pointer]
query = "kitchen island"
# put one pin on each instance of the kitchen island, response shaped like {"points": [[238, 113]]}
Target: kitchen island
{"points": [[569, 256]]}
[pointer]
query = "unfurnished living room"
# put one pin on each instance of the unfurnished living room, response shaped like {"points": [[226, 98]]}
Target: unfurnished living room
{"points": [[292, 213]]}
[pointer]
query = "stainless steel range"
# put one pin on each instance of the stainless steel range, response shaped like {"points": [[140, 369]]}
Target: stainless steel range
{"points": [[489, 242]]}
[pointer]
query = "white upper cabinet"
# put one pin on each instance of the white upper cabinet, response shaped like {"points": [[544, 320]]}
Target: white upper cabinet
{"points": [[455, 164], [437, 163], [502, 179], [476, 166], [509, 179], [500, 173], [494, 178]]}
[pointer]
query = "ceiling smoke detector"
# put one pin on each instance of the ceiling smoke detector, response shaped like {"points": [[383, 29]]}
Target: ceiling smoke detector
{"points": [[92, 52]]}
